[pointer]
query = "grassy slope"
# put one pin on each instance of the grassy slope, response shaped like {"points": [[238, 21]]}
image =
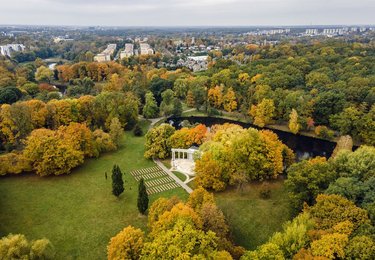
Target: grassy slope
{"points": [[77, 212], [253, 220]]}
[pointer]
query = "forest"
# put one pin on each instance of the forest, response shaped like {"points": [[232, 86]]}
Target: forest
{"points": [[52, 121]]}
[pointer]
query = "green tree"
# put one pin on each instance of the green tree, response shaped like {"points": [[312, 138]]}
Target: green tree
{"points": [[360, 247], [150, 109], [267, 251], [166, 106], [307, 179], [177, 107], [43, 74], [116, 131], [142, 202], [117, 182]]}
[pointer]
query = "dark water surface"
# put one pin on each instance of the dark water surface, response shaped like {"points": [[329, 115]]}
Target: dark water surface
{"points": [[303, 146]]}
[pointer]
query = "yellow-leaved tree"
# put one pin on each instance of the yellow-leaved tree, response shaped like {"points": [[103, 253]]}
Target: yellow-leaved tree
{"points": [[294, 126], [230, 102], [263, 112], [127, 244]]}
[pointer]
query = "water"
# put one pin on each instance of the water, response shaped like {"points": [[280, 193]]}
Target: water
{"points": [[303, 146]]}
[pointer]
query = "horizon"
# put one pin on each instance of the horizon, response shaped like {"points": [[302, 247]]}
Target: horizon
{"points": [[202, 13]]}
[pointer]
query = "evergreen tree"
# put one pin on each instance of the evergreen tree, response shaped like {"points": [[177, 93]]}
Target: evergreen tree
{"points": [[137, 131], [142, 197], [117, 182]]}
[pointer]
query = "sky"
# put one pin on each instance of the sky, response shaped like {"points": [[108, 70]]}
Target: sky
{"points": [[187, 13]]}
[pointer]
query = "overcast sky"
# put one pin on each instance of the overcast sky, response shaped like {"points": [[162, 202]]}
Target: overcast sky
{"points": [[187, 13]]}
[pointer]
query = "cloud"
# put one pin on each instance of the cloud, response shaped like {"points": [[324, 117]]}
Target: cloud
{"points": [[184, 12]]}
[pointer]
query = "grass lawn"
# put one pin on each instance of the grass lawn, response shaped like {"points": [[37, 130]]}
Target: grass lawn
{"points": [[77, 212], [180, 175], [253, 220]]}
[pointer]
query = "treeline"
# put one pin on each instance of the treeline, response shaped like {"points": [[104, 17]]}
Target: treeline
{"points": [[325, 87], [60, 132]]}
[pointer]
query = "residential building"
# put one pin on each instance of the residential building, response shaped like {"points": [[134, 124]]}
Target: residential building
{"points": [[128, 52], [146, 49], [106, 54], [6, 50]]}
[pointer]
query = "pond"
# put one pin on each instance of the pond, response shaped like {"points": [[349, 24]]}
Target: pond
{"points": [[303, 146]]}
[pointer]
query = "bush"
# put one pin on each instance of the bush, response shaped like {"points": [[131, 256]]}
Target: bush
{"points": [[211, 111], [324, 132], [265, 191], [137, 131]]}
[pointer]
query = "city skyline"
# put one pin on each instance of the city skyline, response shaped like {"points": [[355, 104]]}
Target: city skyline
{"points": [[191, 13]]}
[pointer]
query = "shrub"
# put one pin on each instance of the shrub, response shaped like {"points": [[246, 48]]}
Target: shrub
{"points": [[324, 132], [265, 191], [137, 131]]}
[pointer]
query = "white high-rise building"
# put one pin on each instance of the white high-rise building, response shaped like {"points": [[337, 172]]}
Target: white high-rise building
{"points": [[311, 31], [128, 52]]}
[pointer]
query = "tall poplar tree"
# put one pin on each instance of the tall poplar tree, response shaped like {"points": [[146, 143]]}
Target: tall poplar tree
{"points": [[142, 202], [117, 182]]}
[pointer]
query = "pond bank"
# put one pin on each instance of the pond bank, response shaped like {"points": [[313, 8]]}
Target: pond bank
{"points": [[303, 146]]}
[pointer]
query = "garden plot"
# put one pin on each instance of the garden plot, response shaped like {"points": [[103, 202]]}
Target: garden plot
{"points": [[156, 180]]}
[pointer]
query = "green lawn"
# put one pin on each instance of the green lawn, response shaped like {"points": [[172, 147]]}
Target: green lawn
{"points": [[180, 175], [253, 220], [77, 212]]}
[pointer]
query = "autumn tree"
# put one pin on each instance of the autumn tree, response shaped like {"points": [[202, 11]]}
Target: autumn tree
{"points": [[209, 173], [157, 141], [117, 182], [103, 141], [127, 244], [229, 100], [142, 202], [116, 131], [16, 123], [115, 84], [182, 240], [190, 99], [50, 154], [330, 210], [158, 208], [16, 246], [14, 163], [294, 126], [263, 112], [215, 96], [43, 74]]}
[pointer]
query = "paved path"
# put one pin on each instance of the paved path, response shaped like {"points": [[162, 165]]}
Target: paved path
{"points": [[155, 120], [181, 183]]}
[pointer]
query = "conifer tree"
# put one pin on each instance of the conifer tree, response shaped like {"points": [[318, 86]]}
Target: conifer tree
{"points": [[142, 197], [117, 182]]}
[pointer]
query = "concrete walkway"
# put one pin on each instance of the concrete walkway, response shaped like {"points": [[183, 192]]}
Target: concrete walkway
{"points": [[181, 183]]}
